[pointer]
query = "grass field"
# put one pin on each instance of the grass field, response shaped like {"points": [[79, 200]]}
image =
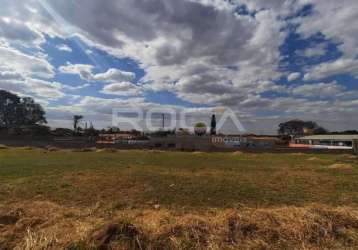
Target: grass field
{"points": [[168, 200]]}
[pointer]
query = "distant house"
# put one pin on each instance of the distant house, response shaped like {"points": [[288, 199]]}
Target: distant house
{"points": [[114, 138], [326, 141]]}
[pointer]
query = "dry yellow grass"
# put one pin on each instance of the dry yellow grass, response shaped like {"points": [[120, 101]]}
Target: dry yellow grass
{"points": [[46, 225], [313, 159], [176, 200], [198, 153], [341, 166], [52, 149], [107, 150]]}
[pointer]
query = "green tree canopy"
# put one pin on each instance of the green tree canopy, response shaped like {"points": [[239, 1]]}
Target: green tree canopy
{"points": [[16, 111], [297, 128]]}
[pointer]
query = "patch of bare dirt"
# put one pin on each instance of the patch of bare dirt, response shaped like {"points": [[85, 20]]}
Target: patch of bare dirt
{"points": [[198, 153], [107, 150], [52, 149], [313, 159], [353, 157]]}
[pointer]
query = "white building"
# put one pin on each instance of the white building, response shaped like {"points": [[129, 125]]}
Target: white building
{"points": [[328, 141]]}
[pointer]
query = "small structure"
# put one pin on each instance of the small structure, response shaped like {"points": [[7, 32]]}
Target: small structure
{"points": [[355, 147], [326, 141], [114, 138]]}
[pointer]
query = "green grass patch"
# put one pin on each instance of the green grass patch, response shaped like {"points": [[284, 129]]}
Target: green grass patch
{"points": [[141, 179]]}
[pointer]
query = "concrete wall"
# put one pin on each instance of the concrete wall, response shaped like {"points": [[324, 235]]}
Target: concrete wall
{"points": [[190, 143], [206, 143]]}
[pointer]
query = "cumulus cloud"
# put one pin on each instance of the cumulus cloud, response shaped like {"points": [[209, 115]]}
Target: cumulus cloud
{"points": [[316, 51], [13, 60], [337, 67], [85, 71], [319, 90], [114, 75], [17, 31], [179, 35], [44, 90], [122, 89], [72, 88], [293, 76], [10, 76], [336, 21]]}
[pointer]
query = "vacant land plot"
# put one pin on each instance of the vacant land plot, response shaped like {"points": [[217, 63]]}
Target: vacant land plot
{"points": [[167, 200]]}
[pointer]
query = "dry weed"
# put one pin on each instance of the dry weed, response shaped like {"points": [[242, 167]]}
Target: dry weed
{"points": [[341, 166], [58, 227]]}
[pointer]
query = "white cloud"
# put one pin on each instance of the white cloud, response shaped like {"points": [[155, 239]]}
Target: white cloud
{"points": [[163, 40], [293, 76], [44, 89], [336, 21], [114, 75], [122, 89], [39, 89], [10, 75], [319, 90], [85, 71], [13, 60], [316, 51], [72, 88], [339, 66], [17, 31], [64, 47]]}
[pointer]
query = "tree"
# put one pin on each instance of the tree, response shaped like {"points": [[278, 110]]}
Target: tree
{"points": [[16, 111], [76, 121], [112, 130], [320, 131], [296, 128], [200, 129], [213, 125], [9, 109], [32, 112], [91, 131], [183, 131], [291, 128]]}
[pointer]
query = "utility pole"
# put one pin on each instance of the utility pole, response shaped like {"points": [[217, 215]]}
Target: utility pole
{"points": [[163, 121], [213, 125]]}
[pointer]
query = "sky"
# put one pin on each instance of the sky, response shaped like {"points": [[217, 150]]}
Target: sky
{"points": [[268, 61]]}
